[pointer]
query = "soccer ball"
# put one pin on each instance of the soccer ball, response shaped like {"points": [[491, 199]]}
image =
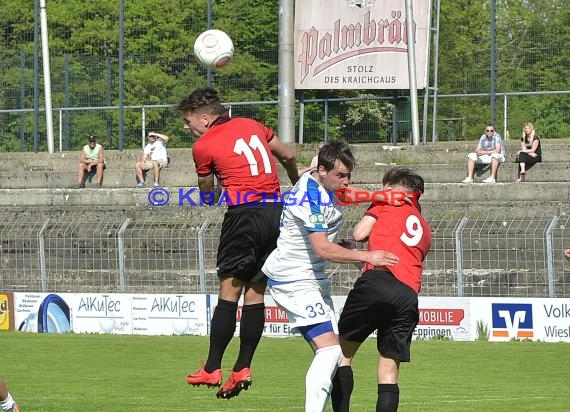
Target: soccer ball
{"points": [[213, 49]]}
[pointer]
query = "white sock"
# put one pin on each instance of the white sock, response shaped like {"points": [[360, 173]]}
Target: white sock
{"points": [[318, 382], [8, 403]]}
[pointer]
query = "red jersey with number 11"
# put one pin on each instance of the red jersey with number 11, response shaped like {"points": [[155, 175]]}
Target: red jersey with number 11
{"points": [[403, 231], [237, 152]]}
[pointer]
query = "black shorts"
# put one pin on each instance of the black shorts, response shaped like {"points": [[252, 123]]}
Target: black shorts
{"points": [[381, 302], [249, 235]]}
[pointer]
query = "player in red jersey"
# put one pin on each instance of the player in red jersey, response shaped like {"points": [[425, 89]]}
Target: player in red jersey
{"points": [[385, 298], [239, 152]]}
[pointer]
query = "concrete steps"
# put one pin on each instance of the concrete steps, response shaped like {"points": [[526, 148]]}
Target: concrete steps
{"points": [[34, 181], [440, 200], [363, 174], [557, 150], [456, 172], [113, 178]]}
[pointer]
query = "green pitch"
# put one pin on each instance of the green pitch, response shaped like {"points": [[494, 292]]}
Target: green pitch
{"points": [[83, 373]]}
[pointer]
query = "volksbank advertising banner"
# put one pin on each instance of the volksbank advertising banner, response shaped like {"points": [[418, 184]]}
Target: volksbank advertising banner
{"points": [[349, 44], [462, 319]]}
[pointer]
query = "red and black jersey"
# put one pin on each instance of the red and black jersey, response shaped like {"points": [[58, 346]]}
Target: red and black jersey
{"points": [[237, 152], [403, 231]]}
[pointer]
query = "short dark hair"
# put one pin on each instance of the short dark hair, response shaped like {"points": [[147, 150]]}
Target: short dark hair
{"points": [[404, 176], [333, 151], [205, 99]]}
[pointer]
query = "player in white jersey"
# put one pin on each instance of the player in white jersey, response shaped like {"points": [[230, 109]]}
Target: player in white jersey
{"points": [[311, 218]]}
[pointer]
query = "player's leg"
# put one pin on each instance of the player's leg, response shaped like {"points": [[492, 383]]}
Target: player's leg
{"points": [[249, 234], [262, 224], [222, 329], [343, 381], [251, 329], [359, 318], [328, 355], [388, 390], [394, 341], [223, 323], [310, 313], [7, 403], [323, 339], [252, 323]]}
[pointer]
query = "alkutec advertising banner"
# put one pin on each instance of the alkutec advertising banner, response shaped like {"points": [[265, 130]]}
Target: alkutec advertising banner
{"points": [[349, 44]]}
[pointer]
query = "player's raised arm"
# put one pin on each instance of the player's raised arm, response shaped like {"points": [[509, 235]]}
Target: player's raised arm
{"points": [[286, 157]]}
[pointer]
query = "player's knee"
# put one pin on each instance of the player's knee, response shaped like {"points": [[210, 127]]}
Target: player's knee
{"points": [[336, 352], [310, 332]]}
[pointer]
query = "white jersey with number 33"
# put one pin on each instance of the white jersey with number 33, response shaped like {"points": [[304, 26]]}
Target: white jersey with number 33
{"points": [[307, 208]]}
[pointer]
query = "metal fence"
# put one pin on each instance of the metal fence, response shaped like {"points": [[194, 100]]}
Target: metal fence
{"points": [[460, 117], [468, 257]]}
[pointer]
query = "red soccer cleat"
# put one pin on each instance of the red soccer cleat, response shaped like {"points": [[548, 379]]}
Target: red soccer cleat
{"points": [[237, 381], [204, 378]]}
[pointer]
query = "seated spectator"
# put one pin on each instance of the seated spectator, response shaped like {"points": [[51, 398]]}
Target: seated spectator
{"points": [[530, 153], [92, 161], [314, 161], [490, 150], [154, 158]]}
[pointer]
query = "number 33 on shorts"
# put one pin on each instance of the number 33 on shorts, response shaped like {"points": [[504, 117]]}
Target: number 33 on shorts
{"points": [[317, 309]]}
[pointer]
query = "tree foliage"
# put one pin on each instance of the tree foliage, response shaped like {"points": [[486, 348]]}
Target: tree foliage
{"points": [[160, 68]]}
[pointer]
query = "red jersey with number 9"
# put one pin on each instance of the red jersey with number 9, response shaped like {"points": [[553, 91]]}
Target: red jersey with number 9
{"points": [[403, 231], [237, 152]]}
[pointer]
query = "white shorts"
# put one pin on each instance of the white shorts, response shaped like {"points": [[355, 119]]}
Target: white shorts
{"points": [[307, 302], [149, 164], [486, 159]]}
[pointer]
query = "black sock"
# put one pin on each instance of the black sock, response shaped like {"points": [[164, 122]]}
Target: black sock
{"points": [[251, 329], [343, 383], [221, 333], [388, 397]]}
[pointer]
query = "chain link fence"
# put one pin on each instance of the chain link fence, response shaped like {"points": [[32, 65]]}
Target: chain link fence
{"points": [[468, 257]]}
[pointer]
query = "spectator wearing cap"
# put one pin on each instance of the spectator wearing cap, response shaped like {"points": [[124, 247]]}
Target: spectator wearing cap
{"points": [[92, 161], [154, 158]]}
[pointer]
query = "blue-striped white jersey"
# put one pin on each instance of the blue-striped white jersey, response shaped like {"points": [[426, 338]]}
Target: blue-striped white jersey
{"points": [[308, 208]]}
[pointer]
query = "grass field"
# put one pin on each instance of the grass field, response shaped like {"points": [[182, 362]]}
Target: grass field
{"points": [[138, 373]]}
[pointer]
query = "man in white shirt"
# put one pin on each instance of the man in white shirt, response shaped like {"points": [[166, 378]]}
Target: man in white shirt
{"points": [[311, 218], [154, 157], [490, 150]]}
